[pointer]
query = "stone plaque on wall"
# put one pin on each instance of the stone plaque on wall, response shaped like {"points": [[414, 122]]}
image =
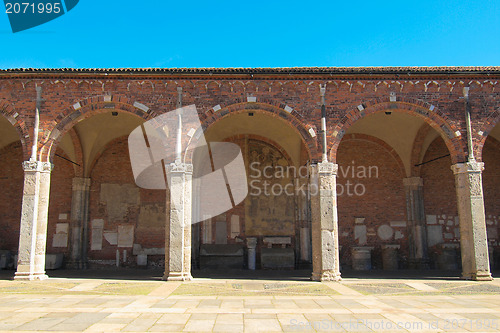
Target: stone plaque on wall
{"points": [[96, 238], [434, 235], [111, 237], [125, 235], [360, 234], [235, 226], [60, 238]]}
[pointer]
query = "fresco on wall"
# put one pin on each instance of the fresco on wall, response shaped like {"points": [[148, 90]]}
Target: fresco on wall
{"points": [[269, 210]]}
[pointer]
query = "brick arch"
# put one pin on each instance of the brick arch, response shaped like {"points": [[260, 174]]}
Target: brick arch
{"points": [[381, 143], [481, 136], [268, 107], [9, 113], [85, 109], [429, 113]]}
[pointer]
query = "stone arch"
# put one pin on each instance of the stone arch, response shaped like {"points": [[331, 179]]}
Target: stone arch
{"points": [[267, 107], [382, 143], [9, 113], [429, 113], [86, 109]]}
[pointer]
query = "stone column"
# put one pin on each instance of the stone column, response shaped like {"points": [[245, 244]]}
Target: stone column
{"points": [[251, 244], [79, 222], [470, 204], [178, 227], [325, 241], [33, 231], [416, 223]]}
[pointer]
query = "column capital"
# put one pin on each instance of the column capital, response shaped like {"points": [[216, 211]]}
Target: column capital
{"points": [[468, 167], [80, 184], [179, 167], [326, 168], [251, 242], [37, 166], [413, 181]]}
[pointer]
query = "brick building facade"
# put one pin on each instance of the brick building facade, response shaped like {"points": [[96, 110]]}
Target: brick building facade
{"points": [[399, 187]]}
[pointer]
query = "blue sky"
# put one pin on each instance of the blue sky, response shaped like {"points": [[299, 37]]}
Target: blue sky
{"points": [[260, 34]]}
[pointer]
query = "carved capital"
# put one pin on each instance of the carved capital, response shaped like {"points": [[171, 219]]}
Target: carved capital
{"points": [[251, 242], [179, 167], [328, 168], [469, 167], [37, 166]]}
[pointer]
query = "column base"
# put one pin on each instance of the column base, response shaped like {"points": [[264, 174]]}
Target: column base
{"points": [[24, 272], [326, 276], [479, 276], [177, 277], [21, 276]]}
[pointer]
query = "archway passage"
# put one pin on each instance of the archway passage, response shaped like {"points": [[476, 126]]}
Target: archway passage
{"points": [[11, 183], [97, 214], [443, 225], [491, 187], [271, 228], [371, 201], [383, 178]]}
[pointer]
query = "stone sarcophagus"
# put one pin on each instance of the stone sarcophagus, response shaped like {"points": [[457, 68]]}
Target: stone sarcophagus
{"points": [[282, 257], [221, 256]]}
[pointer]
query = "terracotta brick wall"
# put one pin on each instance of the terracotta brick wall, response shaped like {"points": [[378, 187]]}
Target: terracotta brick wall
{"points": [[113, 167], [383, 201], [439, 182], [440, 204], [11, 195], [60, 201], [491, 190]]}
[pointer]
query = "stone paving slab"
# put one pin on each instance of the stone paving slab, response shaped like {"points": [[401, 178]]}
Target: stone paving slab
{"points": [[137, 309]]}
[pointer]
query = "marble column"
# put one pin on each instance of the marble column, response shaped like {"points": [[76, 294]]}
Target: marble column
{"points": [[79, 222], [470, 204], [416, 223], [325, 240], [178, 226], [34, 215]]}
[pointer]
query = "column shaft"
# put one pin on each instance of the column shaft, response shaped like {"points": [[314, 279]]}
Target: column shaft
{"points": [[325, 241], [416, 223], [79, 222], [470, 204], [34, 216], [178, 224]]}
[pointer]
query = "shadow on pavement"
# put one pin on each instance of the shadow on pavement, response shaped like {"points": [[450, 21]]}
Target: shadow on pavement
{"points": [[286, 275]]}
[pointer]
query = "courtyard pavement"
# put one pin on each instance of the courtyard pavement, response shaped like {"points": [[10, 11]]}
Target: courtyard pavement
{"points": [[144, 303]]}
